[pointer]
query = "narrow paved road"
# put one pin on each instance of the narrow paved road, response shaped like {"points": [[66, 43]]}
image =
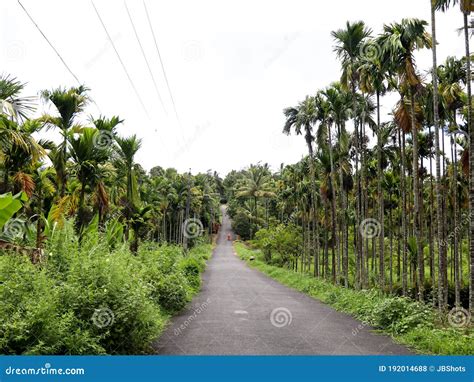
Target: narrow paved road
{"points": [[241, 311]]}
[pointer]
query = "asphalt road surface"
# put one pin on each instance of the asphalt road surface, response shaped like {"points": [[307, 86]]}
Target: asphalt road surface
{"points": [[241, 311]]}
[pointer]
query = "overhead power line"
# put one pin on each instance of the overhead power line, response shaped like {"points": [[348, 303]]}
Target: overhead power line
{"points": [[55, 50], [161, 63], [126, 72], [50, 43], [120, 59], [144, 56]]}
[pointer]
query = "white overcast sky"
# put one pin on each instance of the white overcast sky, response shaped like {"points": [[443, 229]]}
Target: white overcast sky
{"points": [[232, 67]]}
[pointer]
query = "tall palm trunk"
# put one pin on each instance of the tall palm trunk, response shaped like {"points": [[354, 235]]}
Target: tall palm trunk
{"points": [[315, 245], [391, 241], [416, 200], [344, 242], [344, 229], [457, 269], [430, 231], [380, 202], [357, 235], [439, 218], [444, 212], [364, 199], [359, 274], [314, 205], [335, 245], [404, 215]]}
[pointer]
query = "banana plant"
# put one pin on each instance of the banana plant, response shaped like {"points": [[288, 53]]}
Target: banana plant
{"points": [[10, 205]]}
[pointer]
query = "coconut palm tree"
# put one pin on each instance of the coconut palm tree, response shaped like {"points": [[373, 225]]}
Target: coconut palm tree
{"points": [[13, 105], [399, 41], [69, 104], [373, 80], [127, 149], [439, 218], [302, 119], [350, 43], [323, 163], [335, 105], [87, 157], [332, 111]]}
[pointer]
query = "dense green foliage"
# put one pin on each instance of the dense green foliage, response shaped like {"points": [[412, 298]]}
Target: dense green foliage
{"points": [[95, 253], [409, 322], [85, 299], [281, 244]]}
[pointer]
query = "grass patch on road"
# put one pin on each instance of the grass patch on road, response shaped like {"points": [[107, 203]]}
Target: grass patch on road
{"points": [[409, 322]]}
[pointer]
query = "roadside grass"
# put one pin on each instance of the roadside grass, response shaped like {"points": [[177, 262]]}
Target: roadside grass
{"points": [[397, 269], [408, 322]]}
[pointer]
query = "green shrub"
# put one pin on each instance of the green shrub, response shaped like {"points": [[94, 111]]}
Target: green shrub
{"points": [[166, 258], [172, 292], [34, 320], [191, 269], [87, 300], [108, 296], [202, 251], [400, 315], [284, 241], [241, 225]]}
